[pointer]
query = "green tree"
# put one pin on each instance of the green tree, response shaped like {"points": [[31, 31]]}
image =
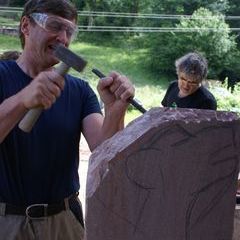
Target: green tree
{"points": [[116, 6], [215, 45], [80, 4], [187, 7], [113, 6], [4, 2], [234, 10], [17, 3], [177, 7]]}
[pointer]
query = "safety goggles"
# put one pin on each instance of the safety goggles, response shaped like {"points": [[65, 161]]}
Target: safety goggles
{"points": [[55, 24]]}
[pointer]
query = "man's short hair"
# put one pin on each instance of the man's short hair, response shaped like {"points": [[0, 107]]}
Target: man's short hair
{"points": [[192, 64], [62, 8]]}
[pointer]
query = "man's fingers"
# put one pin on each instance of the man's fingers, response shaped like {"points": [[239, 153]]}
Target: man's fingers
{"points": [[54, 89], [54, 77], [127, 94], [44, 90], [114, 74], [104, 83], [115, 87], [48, 101], [118, 83]]}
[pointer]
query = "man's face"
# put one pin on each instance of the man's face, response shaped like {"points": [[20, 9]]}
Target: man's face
{"points": [[45, 31], [187, 84]]}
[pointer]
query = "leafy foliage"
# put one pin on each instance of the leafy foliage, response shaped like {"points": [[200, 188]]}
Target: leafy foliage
{"points": [[188, 7], [17, 3], [226, 100], [215, 45]]}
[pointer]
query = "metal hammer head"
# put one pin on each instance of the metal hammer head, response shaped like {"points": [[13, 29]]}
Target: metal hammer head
{"points": [[69, 58]]}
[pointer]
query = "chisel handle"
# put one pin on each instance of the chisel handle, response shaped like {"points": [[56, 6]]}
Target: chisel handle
{"points": [[131, 100], [31, 117]]}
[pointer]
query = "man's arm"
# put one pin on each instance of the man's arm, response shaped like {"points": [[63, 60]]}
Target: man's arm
{"points": [[11, 111], [115, 91], [42, 91]]}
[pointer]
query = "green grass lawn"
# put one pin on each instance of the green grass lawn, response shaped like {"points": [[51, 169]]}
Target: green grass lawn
{"points": [[8, 21], [129, 61], [126, 62], [9, 43], [149, 88]]}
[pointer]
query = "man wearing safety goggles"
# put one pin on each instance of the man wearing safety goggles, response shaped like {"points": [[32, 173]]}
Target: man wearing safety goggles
{"points": [[39, 170], [54, 24]]}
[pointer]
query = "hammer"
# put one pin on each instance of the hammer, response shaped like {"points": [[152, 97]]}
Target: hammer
{"points": [[69, 59]]}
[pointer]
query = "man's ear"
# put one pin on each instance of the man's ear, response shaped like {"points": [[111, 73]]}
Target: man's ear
{"points": [[25, 25]]}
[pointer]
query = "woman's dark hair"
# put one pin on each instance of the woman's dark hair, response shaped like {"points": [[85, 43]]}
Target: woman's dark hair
{"points": [[62, 8]]}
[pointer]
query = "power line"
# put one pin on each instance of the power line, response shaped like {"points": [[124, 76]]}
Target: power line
{"points": [[151, 16], [133, 29], [83, 28], [149, 29], [132, 15]]}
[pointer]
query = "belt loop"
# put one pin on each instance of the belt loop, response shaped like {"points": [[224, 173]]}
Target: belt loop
{"points": [[2, 209], [66, 203]]}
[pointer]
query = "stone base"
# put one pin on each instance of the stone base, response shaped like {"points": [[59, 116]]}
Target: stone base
{"points": [[170, 175], [236, 233]]}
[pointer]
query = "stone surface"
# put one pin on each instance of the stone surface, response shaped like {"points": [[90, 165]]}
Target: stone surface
{"points": [[236, 234], [170, 175]]}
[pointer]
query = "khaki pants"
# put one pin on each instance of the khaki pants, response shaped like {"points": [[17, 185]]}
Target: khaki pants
{"points": [[62, 226], [236, 233]]}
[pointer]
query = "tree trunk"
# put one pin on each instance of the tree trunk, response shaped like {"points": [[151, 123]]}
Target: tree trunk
{"points": [[92, 7], [135, 6]]}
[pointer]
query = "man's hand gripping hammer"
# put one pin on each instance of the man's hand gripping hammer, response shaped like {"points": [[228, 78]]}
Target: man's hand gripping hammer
{"points": [[69, 59]]}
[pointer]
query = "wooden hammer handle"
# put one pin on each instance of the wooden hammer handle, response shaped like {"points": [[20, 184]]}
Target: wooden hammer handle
{"points": [[31, 117]]}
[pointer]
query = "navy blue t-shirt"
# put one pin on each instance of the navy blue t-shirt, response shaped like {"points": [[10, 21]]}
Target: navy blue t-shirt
{"points": [[42, 166], [201, 99]]}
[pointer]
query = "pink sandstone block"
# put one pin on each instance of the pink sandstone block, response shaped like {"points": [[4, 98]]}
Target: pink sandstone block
{"points": [[171, 174]]}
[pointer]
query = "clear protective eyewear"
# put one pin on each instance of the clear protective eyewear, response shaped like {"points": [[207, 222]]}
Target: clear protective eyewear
{"points": [[55, 24], [191, 83]]}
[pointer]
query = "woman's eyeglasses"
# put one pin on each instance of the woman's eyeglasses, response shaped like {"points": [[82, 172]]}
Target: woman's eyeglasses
{"points": [[191, 83]]}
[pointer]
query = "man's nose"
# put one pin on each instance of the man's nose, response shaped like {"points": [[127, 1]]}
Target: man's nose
{"points": [[184, 83], [62, 37], [187, 84]]}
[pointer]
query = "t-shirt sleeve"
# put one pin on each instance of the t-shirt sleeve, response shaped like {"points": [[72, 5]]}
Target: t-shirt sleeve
{"points": [[1, 87], [91, 104], [165, 101]]}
